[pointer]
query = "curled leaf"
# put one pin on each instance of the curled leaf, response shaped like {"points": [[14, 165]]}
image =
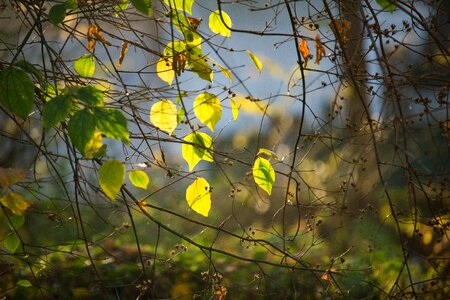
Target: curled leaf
{"points": [[304, 50], [320, 50], [123, 52], [255, 60]]}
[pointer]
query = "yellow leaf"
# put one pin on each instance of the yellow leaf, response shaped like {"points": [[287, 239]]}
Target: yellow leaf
{"points": [[256, 61], [111, 176], [208, 109], [217, 25], [163, 115], [198, 196], [165, 71], [234, 109], [197, 146], [264, 174], [139, 179], [15, 202], [8, 177], [268, 152], [94, 145], [304, 50]]}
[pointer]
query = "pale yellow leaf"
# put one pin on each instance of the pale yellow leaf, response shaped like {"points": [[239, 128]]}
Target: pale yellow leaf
{"points": [[208, 109], [165, 71], [219, 26], [197, 146], [139, 179], [163, 115]]}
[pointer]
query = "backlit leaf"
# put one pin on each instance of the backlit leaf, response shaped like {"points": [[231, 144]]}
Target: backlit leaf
{"points": [[15, 202], [16, 91], [165, 71], [180, 115], [56, 110], [219, 26], [139, 179], [320, 50], [11, 243], [197, 147], [183, 24], [256, 61], [163, 115], [85, 65], [57, 14], [269, 153], [198, 196], [185, 5], [17, 222], [234, 109], [143, 6], [111, 176], [81, 128], [9, 177], [24, 283], [90, 95], [94, 147], [304, 50], [388, 5], [197, 63], [208, 109], [120, 7], [264, 174], [123, 52], [112, 123]]}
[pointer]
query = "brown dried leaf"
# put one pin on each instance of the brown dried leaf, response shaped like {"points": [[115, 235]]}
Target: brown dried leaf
{"points": [[123, 52], [304, 50], [194, 22], [179, 62], [340, 29], [220, 293], [320, 50]]}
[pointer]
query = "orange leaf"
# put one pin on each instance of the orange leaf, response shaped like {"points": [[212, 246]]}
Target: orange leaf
{"points": [[143, 205], [194, 22], [320, 50], [123, 52], [304, 50]]}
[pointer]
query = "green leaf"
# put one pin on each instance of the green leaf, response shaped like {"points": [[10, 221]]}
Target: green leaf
{"points": [[139, 179], [16, 221], [56, 110], [11, 243], [264, 174], [208, 109], [71, 4], [388, 5], [111, 176], [50, 91], [24, 283], [197, 63], [90, 95], [198, 196], [81, 129], [165, 71], [16, 91], [143, 6], [185, 5], [197, 146], [94, 147], [180, 21], [234, 109], [217, 25], [112, 123], [85, 65], [121, 7], [57, 14], [269, 153], [256, 61], [163, 115], [9, 177], [31, 69], [15, 202], [180, 115]]}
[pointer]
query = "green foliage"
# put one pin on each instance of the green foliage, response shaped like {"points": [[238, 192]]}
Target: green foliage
{"points": [[184, 5], [57, 110], [81, 128], [143, 6], [388, 5], [263, 174], [85, 65], [111, 176], [11, 242], [139, 179], [17, 91], [197, 146], [112, 123], [57, 14]]}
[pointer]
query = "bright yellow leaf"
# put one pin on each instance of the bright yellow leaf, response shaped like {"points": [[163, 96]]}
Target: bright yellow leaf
{"points": [[15, 202], [234, 109], [264, 174], [163, 115], [208, 109], [197, 146], [217, 25], [94, 145], [256, 61], [198, 196], [165, 71], [269, 153]]}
